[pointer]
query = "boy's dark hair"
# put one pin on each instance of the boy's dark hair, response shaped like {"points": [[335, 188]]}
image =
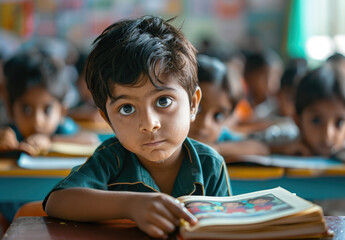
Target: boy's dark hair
{"points": [[27, 70], [255, 61], [336, 57], [212, 70], [132, 48], [325, 82], [295, 69]]}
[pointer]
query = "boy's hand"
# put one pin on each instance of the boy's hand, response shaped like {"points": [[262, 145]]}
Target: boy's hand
{"points": [[40, 142], [159, 214], [8, 140], [297, 148]]}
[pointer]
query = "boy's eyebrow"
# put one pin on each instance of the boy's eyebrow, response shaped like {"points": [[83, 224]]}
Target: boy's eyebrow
{"points": [[156, 90]]}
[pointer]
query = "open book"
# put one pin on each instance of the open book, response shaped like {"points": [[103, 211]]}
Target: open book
{"points": [[57, 149], [314, 162], [65, 149], [49, 162], [268, 214]]}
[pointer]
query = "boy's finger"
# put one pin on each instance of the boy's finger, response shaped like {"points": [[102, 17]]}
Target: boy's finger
{"points": [[27, 148], [163, 223], [189, 216], [155, 231], [178, 209]]}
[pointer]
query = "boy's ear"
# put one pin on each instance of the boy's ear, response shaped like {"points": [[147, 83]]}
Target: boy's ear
{"points": [[195, 102]]}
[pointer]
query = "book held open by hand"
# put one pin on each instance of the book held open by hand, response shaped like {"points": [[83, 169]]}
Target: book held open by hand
{"points": [[269, 214]]}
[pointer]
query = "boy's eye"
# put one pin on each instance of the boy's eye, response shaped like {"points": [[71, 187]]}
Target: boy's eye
{"points": [[48, 109], [316, 120], [339, 123], [163, 102], [219, 117], [127, 110], [27, 110]]}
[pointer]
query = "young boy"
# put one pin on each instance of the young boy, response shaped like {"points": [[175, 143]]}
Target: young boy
{"points": [[142, 75], [320, 113], [35, 95]]}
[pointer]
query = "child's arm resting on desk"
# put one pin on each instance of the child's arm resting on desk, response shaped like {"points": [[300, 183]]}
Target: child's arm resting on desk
{"points": [[157, 214], [9, 142], [230, 149]]}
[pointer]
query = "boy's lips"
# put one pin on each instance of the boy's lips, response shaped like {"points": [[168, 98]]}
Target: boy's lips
{"points": [[153, 143]]}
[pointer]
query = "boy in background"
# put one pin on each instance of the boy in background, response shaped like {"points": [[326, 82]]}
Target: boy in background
{"points": [[142, 74], [222, 90], [35, 95], [320, 113]]}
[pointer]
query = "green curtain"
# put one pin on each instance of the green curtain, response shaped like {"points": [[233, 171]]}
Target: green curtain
{"points": [[296, 30]]}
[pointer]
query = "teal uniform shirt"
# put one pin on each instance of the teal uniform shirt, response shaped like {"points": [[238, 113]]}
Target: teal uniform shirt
{"points": [[114, 168]]}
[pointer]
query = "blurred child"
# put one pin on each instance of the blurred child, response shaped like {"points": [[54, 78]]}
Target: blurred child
{"points": [[86, 109], [337, 58], [142, 74], [261, 76], [294, 71], [3, 108], [320, 113], [221, 90], [36, 93], [282, 128]]}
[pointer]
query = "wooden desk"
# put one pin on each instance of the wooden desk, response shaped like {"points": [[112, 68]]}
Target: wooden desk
{"points": [[49, 228], [25, 185], [308, 184], [27, 228]]}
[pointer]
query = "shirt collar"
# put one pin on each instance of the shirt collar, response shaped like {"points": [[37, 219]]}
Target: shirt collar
{"points": [[189, 175]]}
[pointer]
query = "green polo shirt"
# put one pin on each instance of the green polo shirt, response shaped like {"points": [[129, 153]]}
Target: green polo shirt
{"points": [[112, 167]]}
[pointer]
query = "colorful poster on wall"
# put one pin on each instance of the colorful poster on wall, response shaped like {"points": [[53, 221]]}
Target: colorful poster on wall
{"points": [[17, 17]]}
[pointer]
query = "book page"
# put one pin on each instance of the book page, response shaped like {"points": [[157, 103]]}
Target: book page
{"points": [[72, 149], [314, 162], [245, 209], [45, 162]]}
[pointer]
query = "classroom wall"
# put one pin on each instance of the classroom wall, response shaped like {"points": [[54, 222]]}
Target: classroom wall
{"points": [[228, 23]]}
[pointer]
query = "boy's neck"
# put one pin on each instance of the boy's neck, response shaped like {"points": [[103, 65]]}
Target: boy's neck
{"points": [[165, 173]]}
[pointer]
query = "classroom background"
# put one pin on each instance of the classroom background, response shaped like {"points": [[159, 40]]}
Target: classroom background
{"points": [[290, 29]]}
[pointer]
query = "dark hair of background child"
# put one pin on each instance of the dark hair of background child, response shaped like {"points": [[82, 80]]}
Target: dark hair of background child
{"points": [[211, 70], [325, 82], [27, 70]]}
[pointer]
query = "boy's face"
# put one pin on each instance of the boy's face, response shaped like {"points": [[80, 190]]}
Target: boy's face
{"points": [[214, 109], [258, 84], [322, 126], [37, 112], [152, 123]]}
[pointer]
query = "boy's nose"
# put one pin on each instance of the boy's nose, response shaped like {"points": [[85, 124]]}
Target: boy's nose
{"points": [[330, 134], [39, 120], [149, 121]]}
